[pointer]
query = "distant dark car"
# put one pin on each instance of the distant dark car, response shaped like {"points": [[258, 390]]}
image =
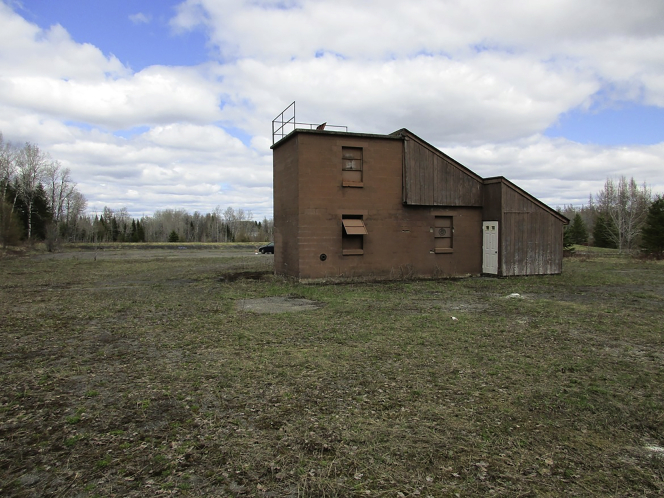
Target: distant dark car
{"points": [[268, 249]]}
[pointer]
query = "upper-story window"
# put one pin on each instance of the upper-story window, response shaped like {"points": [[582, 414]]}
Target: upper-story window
{"points": [[351, 166]]}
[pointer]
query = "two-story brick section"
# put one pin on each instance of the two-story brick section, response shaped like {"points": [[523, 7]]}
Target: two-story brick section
{"points": [[385, 206]]}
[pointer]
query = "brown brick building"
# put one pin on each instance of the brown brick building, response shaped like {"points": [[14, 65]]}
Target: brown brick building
{"points": [[387, 206]]}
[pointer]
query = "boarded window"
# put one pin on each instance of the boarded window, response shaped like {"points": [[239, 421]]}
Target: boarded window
{"points": [[352, 237], [443, 232], [351, 166]]}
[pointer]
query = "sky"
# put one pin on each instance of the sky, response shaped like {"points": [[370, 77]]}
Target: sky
{"points": [[168, 104]]}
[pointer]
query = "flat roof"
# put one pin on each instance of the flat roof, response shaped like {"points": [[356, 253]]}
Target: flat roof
{"points": [[336, 133]]}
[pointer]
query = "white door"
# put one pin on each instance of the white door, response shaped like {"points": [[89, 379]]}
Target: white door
{"points": [[490, 247]]}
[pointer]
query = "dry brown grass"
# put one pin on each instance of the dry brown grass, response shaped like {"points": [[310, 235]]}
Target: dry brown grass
{"points": [[141, 376]]}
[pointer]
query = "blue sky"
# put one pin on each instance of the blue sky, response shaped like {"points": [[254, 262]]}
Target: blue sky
{"points": [[168, 104], [629, 124], [136, 32]]}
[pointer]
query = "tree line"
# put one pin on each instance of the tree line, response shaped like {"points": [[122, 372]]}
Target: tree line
{"points": [[623, 215], [39, 201], [38, 198], [173, 225]]}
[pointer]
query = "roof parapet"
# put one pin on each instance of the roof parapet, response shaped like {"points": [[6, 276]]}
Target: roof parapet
{"points": [[286, 123]]}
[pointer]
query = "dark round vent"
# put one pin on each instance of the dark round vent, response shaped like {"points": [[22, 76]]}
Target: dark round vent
{"points": [[323, 257], [442, 231]]}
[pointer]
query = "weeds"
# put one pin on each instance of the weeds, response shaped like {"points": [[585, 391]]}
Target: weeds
{"points": [[377, 393]]}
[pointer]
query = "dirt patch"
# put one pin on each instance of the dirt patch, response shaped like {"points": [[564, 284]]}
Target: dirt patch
{"points": [[247, 275], [282, 304], [428, 304]]}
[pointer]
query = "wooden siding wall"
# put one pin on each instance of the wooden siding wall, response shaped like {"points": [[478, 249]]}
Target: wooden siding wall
{"points": [[531, 238], [492, 206], [431, 179]]}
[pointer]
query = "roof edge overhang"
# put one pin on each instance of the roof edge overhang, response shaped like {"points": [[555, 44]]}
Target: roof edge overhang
{"points": [[520, 191], [305, 131]]}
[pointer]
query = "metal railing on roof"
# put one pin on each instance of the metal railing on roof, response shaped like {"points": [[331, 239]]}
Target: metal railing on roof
{"points": [[285, 123]]}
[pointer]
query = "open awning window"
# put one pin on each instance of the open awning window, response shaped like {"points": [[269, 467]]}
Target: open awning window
{"points": [[354, 227]]}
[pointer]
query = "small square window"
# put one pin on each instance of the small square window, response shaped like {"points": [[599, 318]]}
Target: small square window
{"points": [[351, 166], [352, 237], [443, 232]]}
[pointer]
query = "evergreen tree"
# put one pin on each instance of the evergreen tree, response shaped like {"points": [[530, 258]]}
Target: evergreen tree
{"points": [[173, 237], [140, 232], [11, 225], [604, 232], [35, 213], [101, 228], [137, 233], [653, 232], [115, 231], [568, 243], [578, 230], [11, 228], [99, 232]]}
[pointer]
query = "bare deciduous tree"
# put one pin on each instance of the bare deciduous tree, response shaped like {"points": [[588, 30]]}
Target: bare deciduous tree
{"points": [[9, 225], [31, 165], [8, 155], [59, 187], [75, 206], [626, 205], [217, 217], [230, 219]]}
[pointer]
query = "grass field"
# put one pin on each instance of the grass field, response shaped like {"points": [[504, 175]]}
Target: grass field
{"points": [[147, 374]]}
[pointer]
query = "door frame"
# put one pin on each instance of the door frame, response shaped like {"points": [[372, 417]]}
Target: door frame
{"points": [[485, 234]]}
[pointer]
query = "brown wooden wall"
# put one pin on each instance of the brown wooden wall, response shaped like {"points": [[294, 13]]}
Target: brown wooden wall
{"points": [[531, 238], [493, 199], [432, 179]]}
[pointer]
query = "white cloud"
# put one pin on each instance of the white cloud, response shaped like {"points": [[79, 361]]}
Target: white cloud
{"points": [[46, 72], [378, 28], [482, 80], [189, 166], [27, 51], [562, 172], [488, 97], [614, 41], [155, 95], [140, 18]]}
